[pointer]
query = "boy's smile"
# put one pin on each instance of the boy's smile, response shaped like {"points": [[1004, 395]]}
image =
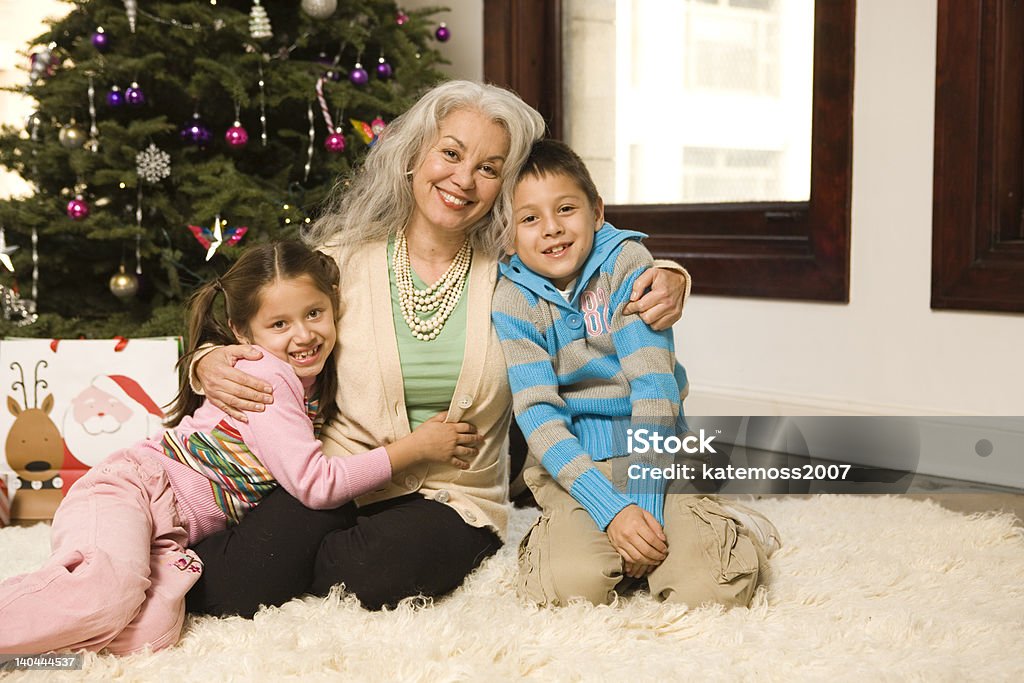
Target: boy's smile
{"points": [[555, 226]]}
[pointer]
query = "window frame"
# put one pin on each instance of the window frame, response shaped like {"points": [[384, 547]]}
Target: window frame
{"points": [[977, 206], [779, 250]]}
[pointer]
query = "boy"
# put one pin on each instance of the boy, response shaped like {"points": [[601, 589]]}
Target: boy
{"points": [[582, 374]]}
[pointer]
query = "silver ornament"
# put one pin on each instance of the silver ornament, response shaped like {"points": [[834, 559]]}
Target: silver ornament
{"points": [[259, 22], [19, 311], [131, 9], [319, 9], [153, 164]]}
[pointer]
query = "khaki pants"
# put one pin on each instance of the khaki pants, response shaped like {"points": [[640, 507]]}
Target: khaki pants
{"points": [[712, 557]]}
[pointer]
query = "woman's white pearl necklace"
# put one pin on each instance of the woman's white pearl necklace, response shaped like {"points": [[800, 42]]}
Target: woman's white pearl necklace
{"points": [[442, 296]]}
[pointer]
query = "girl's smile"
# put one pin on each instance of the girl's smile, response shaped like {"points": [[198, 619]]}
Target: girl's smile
{"points": [[295, 322]]}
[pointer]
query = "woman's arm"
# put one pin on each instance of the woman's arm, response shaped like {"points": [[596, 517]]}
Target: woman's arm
{"points": [[213, 373], [662, 306]]}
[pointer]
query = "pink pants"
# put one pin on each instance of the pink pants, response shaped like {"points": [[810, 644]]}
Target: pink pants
{"points": [[119, 568]]}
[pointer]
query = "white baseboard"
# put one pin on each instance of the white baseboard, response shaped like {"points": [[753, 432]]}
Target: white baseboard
{"points": [[723, 400], [962, 446]]}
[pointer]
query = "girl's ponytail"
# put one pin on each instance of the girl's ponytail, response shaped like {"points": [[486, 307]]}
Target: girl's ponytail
{"points": [[204, 327]]}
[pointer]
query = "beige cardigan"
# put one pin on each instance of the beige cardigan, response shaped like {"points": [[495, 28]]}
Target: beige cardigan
{"points": [[371, 396]]}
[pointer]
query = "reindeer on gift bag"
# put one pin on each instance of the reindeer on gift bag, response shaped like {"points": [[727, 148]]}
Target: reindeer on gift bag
{"points": [[34, 450]]}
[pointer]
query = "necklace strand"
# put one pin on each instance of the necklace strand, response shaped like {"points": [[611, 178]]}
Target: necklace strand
{"points": [[441, 297]]}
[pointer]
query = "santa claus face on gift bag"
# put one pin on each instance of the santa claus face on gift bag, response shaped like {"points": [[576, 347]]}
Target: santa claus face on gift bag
{"points": [[112, 413]]}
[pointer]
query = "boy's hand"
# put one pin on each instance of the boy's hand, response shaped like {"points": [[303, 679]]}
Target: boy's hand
{"points": [[637, 571], [637, 537]]}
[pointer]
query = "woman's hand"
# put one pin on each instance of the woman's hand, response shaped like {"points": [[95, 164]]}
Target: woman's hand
{"points": [[448, 443], [231, 390], [637, 536], [663, 305]]}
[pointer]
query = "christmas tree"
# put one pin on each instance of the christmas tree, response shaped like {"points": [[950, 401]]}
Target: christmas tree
{"points": [[168, 135]]}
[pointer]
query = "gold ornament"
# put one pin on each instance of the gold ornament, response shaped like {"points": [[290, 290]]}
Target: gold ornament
{"points": [[71, 136], [124, 285]]}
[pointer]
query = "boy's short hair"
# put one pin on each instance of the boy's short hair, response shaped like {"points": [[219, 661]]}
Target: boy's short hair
{"points": [[552, 157]]}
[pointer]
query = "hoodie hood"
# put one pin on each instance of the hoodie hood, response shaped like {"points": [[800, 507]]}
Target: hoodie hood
{"points": [[606, 240]]}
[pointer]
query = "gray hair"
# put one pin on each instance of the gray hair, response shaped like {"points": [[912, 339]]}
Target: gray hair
{"points": [[378, 200]]}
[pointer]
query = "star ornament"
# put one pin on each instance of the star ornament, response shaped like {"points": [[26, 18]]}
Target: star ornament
{"points": [[212, 239], [6, 251]]}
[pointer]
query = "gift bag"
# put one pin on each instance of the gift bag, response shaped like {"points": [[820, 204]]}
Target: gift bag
{"points": [[5, 501], [73, 402]]}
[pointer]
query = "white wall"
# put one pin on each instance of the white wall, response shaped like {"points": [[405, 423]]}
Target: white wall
{"points": [[886, 352]]}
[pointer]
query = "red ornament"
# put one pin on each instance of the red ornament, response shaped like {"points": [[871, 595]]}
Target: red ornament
{"points": [[335, 142], [78, 209], [236, 136]]}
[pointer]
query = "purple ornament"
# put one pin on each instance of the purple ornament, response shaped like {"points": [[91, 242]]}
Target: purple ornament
{"points": [[332, 72], [335, 142], [134, 96], [401, 18], [384, 70], [115, 98], [358, 75], [100, 41], [237, 136], [196, 132], [77, 209], [442, 33]]}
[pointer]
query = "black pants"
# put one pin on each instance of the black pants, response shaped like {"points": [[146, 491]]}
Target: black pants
{"points": [[381, 553]]}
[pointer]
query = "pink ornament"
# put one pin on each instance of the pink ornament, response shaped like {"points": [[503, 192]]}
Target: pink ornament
{"points": [[237, 136], [377, 126], [335, 142], [77, 209], [401, 18]]}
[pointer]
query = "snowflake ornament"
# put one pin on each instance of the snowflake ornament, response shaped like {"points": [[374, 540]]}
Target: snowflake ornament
{"points": [[154, 164]]}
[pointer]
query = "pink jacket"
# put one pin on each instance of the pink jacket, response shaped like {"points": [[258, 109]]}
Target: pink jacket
{"points": [[276, 445]]}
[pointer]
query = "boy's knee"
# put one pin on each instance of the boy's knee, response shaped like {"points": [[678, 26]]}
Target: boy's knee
{"points": [[696, 593], [713, 561], [564, 579]]}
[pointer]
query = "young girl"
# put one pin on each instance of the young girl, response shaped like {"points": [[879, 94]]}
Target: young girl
{"points": [[120, 565]]}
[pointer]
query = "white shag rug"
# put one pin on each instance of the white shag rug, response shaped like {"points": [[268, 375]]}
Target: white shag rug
{"points": [[863, 589]]}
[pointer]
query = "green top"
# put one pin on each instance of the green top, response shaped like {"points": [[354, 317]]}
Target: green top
{"points": [[430, 369]]}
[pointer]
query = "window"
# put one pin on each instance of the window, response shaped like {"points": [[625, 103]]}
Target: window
{"points": [[978, 210], [741, 238]]}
